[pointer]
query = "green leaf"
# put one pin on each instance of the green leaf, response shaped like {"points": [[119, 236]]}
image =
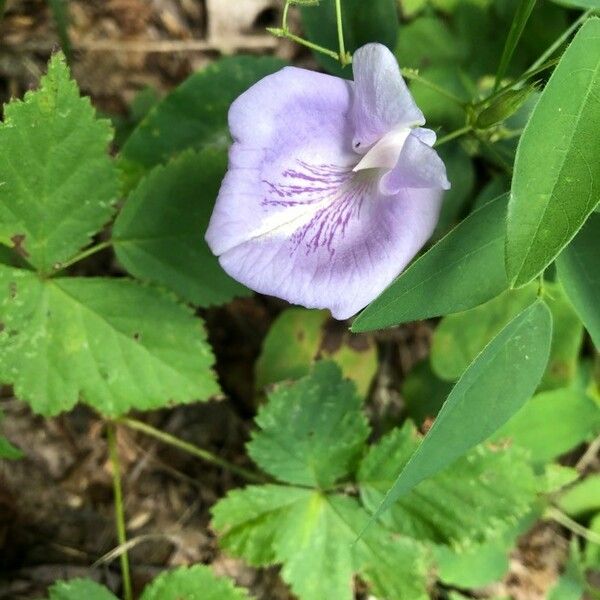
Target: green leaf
{"points": [[159, 234], [470, 502], [572, 584], [557, 172], [76, 589], [467, 265], [553, 423], [113, 342], [194, 115], [311, 432], [7, 450], [424, 393], [314, 536], [461, 174], [583, 4], [364, 22], [192, 583], [483, 399], [299, 336], [58, 184], [578, 272], [522, 14], [428, 41], [582, 498], [459, 338]]}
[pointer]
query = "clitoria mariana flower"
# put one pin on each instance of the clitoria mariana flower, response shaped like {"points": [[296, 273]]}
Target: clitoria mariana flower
{"points": [[332, 188]]}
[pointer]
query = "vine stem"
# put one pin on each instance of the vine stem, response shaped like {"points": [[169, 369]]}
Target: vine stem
{"points": [[453, 135], [119, 509], [561, 39], [84, 254], [573, 526], [411, 74], [343, 56], [190, 448]]}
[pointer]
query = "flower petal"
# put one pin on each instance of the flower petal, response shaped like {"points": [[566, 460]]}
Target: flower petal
{"points": [[281, 126], [382, 100], [346, 255], [419, 166]]}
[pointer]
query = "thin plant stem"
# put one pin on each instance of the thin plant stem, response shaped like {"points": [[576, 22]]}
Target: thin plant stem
{"points": [[84, 254], [562, 39], [412, 75], [453, 135], [573, 526], [119, 510], [340, 31], [192, 449]]}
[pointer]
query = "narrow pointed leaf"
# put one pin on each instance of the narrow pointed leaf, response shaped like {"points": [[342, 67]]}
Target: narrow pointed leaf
{"points": [[556, 183], [578, 272], [464, 269], [494, 387]]}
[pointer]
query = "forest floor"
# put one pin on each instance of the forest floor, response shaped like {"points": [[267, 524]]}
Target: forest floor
{"points": [[56, 515]]}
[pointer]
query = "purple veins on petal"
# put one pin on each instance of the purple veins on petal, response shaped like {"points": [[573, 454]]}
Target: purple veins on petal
{"points": [[306, 215]]}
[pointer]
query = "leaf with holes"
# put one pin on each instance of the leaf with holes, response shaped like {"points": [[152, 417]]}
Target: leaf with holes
{"points": [[159, 233], [115, 343], [311, 432], [556, 183], [473, 501], [57, 182], [314, 535]]}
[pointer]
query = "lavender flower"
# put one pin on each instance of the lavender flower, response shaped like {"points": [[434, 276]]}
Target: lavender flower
{"points": [[332, 188]]}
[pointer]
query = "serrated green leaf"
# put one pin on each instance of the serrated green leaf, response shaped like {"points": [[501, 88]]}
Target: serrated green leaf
{"points": [[578, 272], [113, 342], [194, 115], [467, 265], [472, 501], [77, 589], [375, 21], [299, 336], [553, 423], [557, 172], [311, 432], [460, 337], [159, 233], [314, 536], [57, 182], [192, 583], [482, 400]]}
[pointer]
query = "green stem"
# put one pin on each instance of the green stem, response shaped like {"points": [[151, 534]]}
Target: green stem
{"points": [[573, 526], [190, 449], [453, 135], [561, 39], [412, 75], [84, 254], [343, 57], [119, 510]]}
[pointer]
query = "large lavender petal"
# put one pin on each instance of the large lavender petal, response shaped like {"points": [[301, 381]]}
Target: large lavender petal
{"points": [[284, 127], [382, 100], [346, 255], [419, 166]]}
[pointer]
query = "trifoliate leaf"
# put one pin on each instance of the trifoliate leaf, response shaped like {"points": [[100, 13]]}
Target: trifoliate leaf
{"points": [[471, 501], [113, 343], [57, 182], [311, 432], [159, 233], [78, 589], [299, 336], [314, 536], [192, 583]]}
